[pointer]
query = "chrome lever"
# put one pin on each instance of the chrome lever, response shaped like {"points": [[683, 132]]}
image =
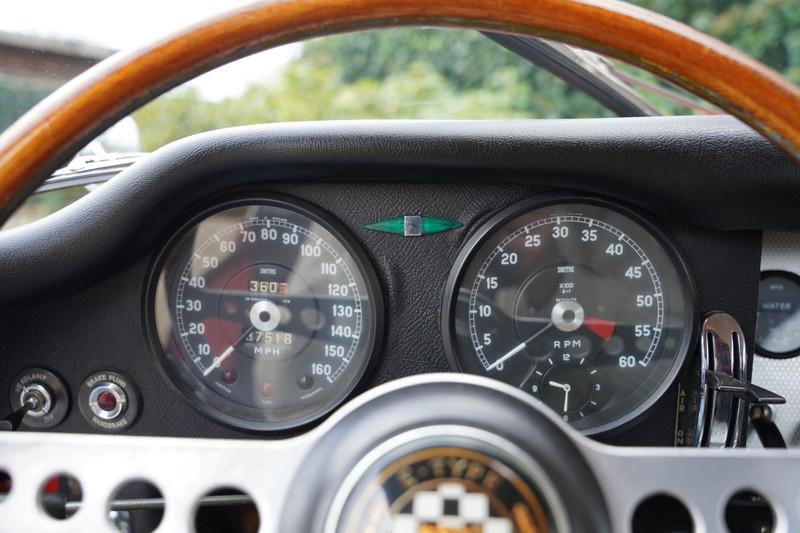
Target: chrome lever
{"points": [[715, 395], [727, 389], [723, 349], [741, 389]]}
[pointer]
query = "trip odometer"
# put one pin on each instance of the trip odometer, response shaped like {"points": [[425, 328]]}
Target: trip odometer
{"points": [[578, 302], [266, 313]]}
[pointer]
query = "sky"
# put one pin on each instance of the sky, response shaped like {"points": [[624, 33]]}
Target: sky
{"points": [[119, 25]]}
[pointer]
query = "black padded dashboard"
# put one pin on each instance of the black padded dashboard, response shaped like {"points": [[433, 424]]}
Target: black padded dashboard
{"points": [[72, 285]]}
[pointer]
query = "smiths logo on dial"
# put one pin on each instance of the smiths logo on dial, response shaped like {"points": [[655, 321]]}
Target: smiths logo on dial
{"points": [[445, 490]]}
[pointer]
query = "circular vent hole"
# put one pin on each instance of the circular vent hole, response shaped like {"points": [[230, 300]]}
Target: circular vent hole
{"points": [[137, 506], [749, 512], [226, 509], [662, 513], [60, 496], [5, 484]]}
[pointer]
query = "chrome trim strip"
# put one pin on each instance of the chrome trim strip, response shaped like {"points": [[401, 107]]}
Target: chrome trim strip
{"points": [[92, 170]]}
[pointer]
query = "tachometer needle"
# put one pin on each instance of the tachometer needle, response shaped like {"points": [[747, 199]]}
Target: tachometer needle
{"points": [[514, 351], [518, 348], [224, 355]]}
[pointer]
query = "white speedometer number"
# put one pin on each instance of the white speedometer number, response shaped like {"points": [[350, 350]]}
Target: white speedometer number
{"points": [[268, 311]]}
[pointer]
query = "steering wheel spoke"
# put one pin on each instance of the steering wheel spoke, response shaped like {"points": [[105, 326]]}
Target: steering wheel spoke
{"points": [[406, 441]]}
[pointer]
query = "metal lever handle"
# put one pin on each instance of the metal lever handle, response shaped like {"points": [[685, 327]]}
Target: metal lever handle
{"points": [[725, 377], [716, 395], [742, 390], [32, 401], [723, 354]]}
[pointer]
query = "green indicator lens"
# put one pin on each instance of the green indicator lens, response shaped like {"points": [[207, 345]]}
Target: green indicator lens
{"points": [[435, 225], [413, 225], [392, 225]]}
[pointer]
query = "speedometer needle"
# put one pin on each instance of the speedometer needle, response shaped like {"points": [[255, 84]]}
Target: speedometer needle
{"points": [[224, 355], [521, 346]]}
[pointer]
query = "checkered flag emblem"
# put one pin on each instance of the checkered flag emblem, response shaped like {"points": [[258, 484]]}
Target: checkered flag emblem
{"points": [[450, 508]]}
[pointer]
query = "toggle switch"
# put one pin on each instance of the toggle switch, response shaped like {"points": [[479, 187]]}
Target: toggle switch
{"points": [[42, 395]]}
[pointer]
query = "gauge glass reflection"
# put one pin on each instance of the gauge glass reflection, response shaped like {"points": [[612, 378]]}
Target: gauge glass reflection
{"points": [[266, 312], [581, 304], [778, 322]]}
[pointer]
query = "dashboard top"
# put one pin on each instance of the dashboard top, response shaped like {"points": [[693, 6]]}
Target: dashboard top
{"points": [[232, 284], [704, 171], [93, 272]]}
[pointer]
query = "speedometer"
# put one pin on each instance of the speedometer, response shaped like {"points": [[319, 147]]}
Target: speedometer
{"points": [[266, 313], [578, 302]]}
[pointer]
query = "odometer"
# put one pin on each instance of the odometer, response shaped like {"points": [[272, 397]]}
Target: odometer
{"points": [[266, 313], [580, 303]]}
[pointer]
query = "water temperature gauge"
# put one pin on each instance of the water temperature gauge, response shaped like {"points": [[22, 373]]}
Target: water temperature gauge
{"points": [[778, 315]]}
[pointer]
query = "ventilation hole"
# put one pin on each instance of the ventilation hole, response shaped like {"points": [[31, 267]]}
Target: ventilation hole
{"points": [[136, 506], [662, 514], [749, 512], [228, 510], [5, 484], [61, 496]]}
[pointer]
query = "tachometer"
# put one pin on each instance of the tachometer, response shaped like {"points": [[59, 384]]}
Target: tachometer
{"points": [[266, 313], [578, 302]]}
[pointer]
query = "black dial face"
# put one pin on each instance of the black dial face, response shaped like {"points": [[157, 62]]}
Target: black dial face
{"points": [[450, 489], [778, 324], [578, 303], [266, 314]]}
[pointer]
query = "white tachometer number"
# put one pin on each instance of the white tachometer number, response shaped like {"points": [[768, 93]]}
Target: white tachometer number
{"points": [[572, 298]]}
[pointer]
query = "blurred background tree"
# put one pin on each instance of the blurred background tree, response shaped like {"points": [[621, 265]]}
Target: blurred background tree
{"points": [[405, 73], [424, 73]]}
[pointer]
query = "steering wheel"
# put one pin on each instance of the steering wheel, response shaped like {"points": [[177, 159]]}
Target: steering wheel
{"points": [[309, 479]]}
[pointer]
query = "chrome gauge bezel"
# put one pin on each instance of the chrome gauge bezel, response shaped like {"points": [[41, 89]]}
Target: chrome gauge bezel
{"points": [[486, 229], [759, 350], [348, 242]]}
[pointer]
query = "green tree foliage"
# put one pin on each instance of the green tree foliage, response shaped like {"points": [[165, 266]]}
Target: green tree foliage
{"points": [[424, 73], [17, 95], [768, 30], [421, 81]]}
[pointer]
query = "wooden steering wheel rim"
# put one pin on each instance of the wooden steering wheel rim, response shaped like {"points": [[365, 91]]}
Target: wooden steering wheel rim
{"points": [[56, 128]]}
